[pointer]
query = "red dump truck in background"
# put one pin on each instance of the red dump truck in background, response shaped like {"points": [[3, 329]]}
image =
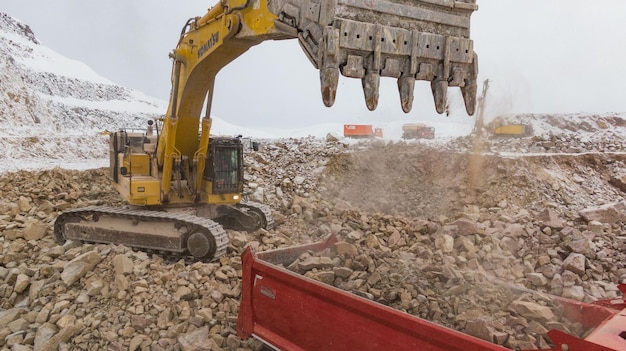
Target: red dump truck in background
{"points": [[288, 311], [361, 131]]}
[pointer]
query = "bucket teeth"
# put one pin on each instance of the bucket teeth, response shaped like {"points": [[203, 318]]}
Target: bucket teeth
{"points": [[440, 93], [329, 79], [406, 87], [470, 88], [469, 97], [371, 84]]}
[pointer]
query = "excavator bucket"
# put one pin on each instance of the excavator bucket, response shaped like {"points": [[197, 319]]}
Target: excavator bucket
{"points": [[405, 39]]}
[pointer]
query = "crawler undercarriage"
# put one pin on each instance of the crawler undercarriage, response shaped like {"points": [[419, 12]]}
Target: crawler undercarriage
{"points": [[178, 232]]}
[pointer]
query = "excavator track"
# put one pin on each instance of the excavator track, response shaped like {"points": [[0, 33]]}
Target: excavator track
{"points": [[175, 234]]}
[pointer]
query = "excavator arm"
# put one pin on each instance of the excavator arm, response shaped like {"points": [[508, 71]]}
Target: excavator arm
{"points": [[405, 39]]}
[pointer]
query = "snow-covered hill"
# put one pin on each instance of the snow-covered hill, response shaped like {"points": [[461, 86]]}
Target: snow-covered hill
{"points": [[44, 92], [53, 108]]}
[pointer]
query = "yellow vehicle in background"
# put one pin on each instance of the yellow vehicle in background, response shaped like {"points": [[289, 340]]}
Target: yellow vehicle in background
{"points": [[513, 130]]}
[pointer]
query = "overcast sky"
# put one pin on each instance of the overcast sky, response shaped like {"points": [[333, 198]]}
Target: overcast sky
{"points": [[541, 56]]}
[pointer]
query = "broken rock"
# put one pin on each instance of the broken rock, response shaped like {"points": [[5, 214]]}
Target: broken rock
{"points": [[78, 267]]}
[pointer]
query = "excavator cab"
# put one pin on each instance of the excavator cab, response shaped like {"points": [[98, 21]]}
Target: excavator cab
{"points": [[224, 169]]}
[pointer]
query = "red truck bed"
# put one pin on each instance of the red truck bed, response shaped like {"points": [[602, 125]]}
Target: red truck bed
{"points": [[288, 311]]}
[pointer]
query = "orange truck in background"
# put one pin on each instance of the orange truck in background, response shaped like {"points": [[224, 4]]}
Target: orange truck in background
{"points": [[361, 131]]}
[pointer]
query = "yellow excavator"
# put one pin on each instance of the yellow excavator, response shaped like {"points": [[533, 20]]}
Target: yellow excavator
{"points": [[183, 186]]}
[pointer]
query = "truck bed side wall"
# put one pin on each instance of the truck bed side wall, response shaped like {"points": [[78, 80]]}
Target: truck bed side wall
{"points": [[291, 312]]}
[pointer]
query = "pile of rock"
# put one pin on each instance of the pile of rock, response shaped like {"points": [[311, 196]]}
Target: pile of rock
{"points": [[418, 225], [479, 278]]}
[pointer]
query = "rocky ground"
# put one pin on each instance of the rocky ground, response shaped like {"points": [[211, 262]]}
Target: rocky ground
{"points": [[469, 234]]}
